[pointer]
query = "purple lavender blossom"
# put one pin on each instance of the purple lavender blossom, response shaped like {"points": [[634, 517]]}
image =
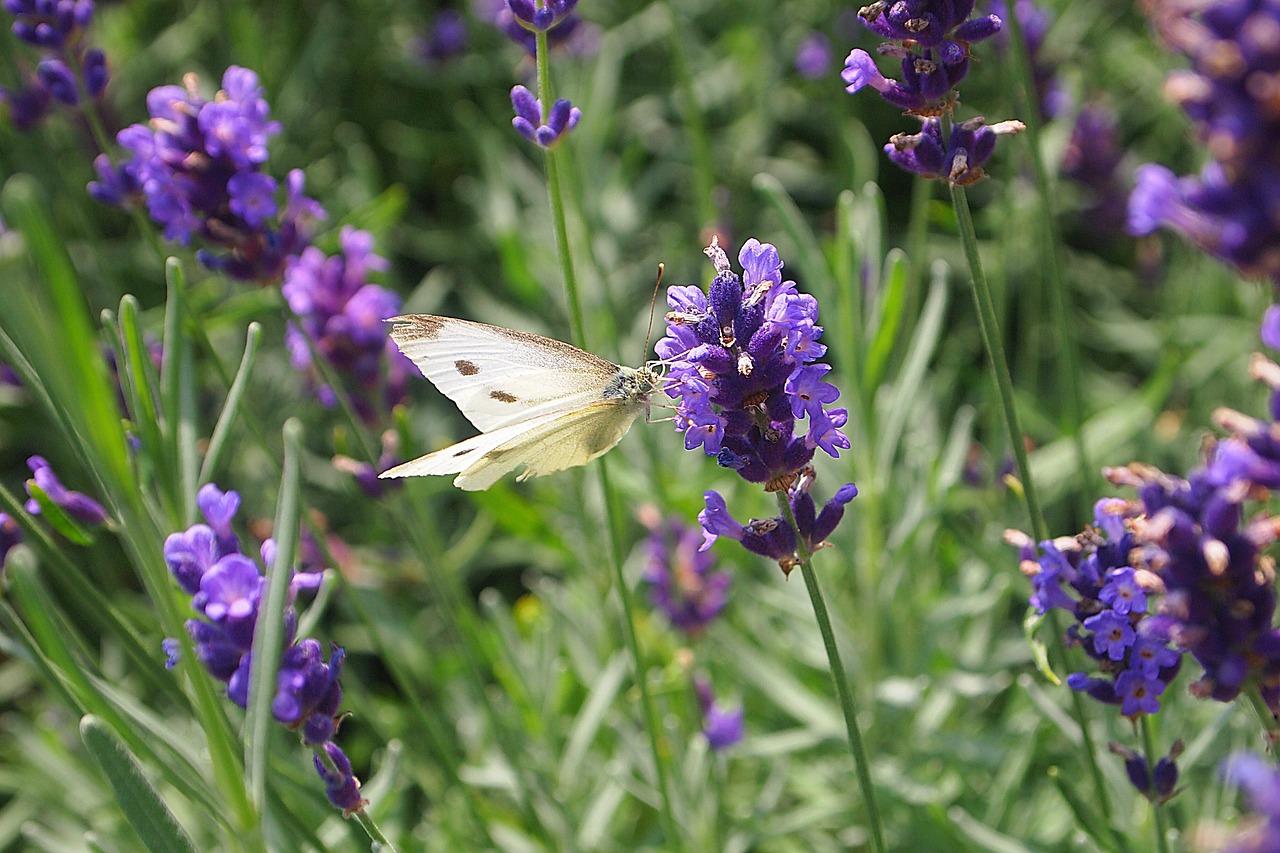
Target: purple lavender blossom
{"points": [[67, 66], [960, 159], [28, 105], [446, 38], [1228, 210], [541, 15], [340, 314], [682, 583], [774, 537], [932, 41], [340, 782], [542, 129], [733, 353], [197, 166], [227, 588], [813, 56], [1260, 781], [1090, 577], [1270, 331], [569, 31], [1158, 785], [1193, 534], [78, 506], [743, 370], [723, 727]]}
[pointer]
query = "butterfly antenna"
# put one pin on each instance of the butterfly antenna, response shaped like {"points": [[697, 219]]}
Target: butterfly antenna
{"points": [[653, 303]]}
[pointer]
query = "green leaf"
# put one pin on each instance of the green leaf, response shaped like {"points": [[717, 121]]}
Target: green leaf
{"points": [[1039, 651], [57, 516], [140, 803]]}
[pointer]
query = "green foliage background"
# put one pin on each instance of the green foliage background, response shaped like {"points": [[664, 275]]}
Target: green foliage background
{"points": [[490, 690]]}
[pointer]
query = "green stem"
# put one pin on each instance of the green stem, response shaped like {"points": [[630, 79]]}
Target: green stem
{"points": [[1270, 725], [993, 342], [1157, 809], [1050, 255], [657, 745], [838, 675], [555, 194]]}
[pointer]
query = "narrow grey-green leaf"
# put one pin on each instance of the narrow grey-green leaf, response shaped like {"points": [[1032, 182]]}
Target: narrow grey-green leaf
{"points": [[140, 803]]}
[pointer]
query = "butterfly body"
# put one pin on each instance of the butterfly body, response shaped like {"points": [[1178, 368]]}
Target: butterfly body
{"points": [[539, 402]]}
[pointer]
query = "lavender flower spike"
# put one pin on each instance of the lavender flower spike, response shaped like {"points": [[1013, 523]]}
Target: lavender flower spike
{"points": [[534, 126], [682, 582], [931, 38], [227, 588]]}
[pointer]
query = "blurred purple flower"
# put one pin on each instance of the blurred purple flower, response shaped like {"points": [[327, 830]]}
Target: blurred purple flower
{"points": [[446, 38], [197, 166], [1260, 781], [78, 506], [682, 582], [1229, 209], [813, 56], [66, 67], [340, 314], [1158, 785], [723, 727]]}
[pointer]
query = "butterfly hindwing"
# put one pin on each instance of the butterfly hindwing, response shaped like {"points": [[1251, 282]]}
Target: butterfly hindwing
{"points": [[499, 377], [543, 444]]}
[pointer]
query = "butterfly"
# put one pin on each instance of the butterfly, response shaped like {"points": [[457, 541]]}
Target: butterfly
{"points": [[539, 402]]}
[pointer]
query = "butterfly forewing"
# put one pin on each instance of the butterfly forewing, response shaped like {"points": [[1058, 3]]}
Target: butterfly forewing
{"points": [[497, 376]]}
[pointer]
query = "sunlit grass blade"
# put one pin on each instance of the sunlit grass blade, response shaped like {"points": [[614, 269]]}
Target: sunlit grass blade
{"points": [[139, 801], [269, 634], [178, 392], [232, 405]]}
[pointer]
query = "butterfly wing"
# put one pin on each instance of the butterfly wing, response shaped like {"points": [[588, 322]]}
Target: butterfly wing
{"points": [[499, 377], [543, 444]]}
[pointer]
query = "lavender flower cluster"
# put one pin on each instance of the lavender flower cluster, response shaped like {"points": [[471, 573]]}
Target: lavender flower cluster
{"points": [[226, 589], [682, 581], [68, 68], [931, 38], [1189, 540], [1093, 153], [1091, 577], [1260, 780], [1228, 93], [743, 367], [341, 315], [685, 586], [198, 167]]}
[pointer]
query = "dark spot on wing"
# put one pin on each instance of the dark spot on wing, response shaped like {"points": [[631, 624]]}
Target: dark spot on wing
{"points": [[466, 368], [502, 396], [463, 452]]}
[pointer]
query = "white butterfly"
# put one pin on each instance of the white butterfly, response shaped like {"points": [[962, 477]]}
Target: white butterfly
{"points": [[540, 403]]}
